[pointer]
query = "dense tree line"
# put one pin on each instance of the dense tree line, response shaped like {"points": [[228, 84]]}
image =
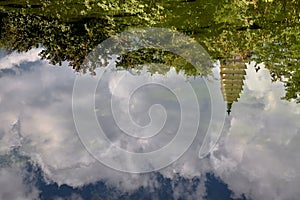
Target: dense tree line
{"points": [[262, 30]]}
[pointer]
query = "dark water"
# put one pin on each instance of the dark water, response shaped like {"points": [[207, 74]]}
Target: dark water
{"points": [[149, 99]]}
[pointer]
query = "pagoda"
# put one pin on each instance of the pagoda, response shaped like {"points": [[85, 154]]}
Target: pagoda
{"points": [[232, 81]]}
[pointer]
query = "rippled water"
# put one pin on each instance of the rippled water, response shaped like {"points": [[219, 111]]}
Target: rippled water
{"points": [[204, 106]]}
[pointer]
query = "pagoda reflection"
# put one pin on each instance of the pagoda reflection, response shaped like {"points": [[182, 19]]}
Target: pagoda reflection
{"points": [[232, 81]]}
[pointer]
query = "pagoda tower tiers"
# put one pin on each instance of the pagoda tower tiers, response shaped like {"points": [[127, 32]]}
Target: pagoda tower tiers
{"points": [[232, 81]]}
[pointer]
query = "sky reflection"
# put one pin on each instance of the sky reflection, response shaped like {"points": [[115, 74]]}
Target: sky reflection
{"points": [[257, 155]]}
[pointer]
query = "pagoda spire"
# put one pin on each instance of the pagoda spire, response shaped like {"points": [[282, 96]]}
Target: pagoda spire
{"points": [[229, 108]]}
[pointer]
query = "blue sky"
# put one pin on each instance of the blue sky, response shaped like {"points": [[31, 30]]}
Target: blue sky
{"points": [[256, 156]]}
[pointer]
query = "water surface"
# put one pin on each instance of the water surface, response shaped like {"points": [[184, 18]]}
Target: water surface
{"points": [[239, 112]]}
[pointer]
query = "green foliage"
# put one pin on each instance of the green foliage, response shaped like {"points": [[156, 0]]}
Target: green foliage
{"points": [[137, 59], [262, 30], [69, 31]]}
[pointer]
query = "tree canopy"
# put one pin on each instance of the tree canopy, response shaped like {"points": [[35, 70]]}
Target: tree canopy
{"points": [[261, 30]]}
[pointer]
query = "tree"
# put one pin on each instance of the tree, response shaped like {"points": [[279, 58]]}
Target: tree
{"points": [[262, 30]]}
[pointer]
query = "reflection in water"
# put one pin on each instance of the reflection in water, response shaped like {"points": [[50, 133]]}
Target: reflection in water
{"points": [[268, 32], [232, 81], [257, 156], [37, 127]]}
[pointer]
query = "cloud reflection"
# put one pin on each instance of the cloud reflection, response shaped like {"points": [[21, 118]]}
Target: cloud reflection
{"points": [[258, 155]]}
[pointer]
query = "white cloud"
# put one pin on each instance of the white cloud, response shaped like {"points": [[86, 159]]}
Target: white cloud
{"points": [[15, 59], [257, 156]]}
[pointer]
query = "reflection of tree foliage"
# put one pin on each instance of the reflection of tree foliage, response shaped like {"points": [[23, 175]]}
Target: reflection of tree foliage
{"points": [[152, 45], [282, 58], [138, 59], [62, 41], [262, 30], [71, 38], [145, 56], [72, 10]]}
